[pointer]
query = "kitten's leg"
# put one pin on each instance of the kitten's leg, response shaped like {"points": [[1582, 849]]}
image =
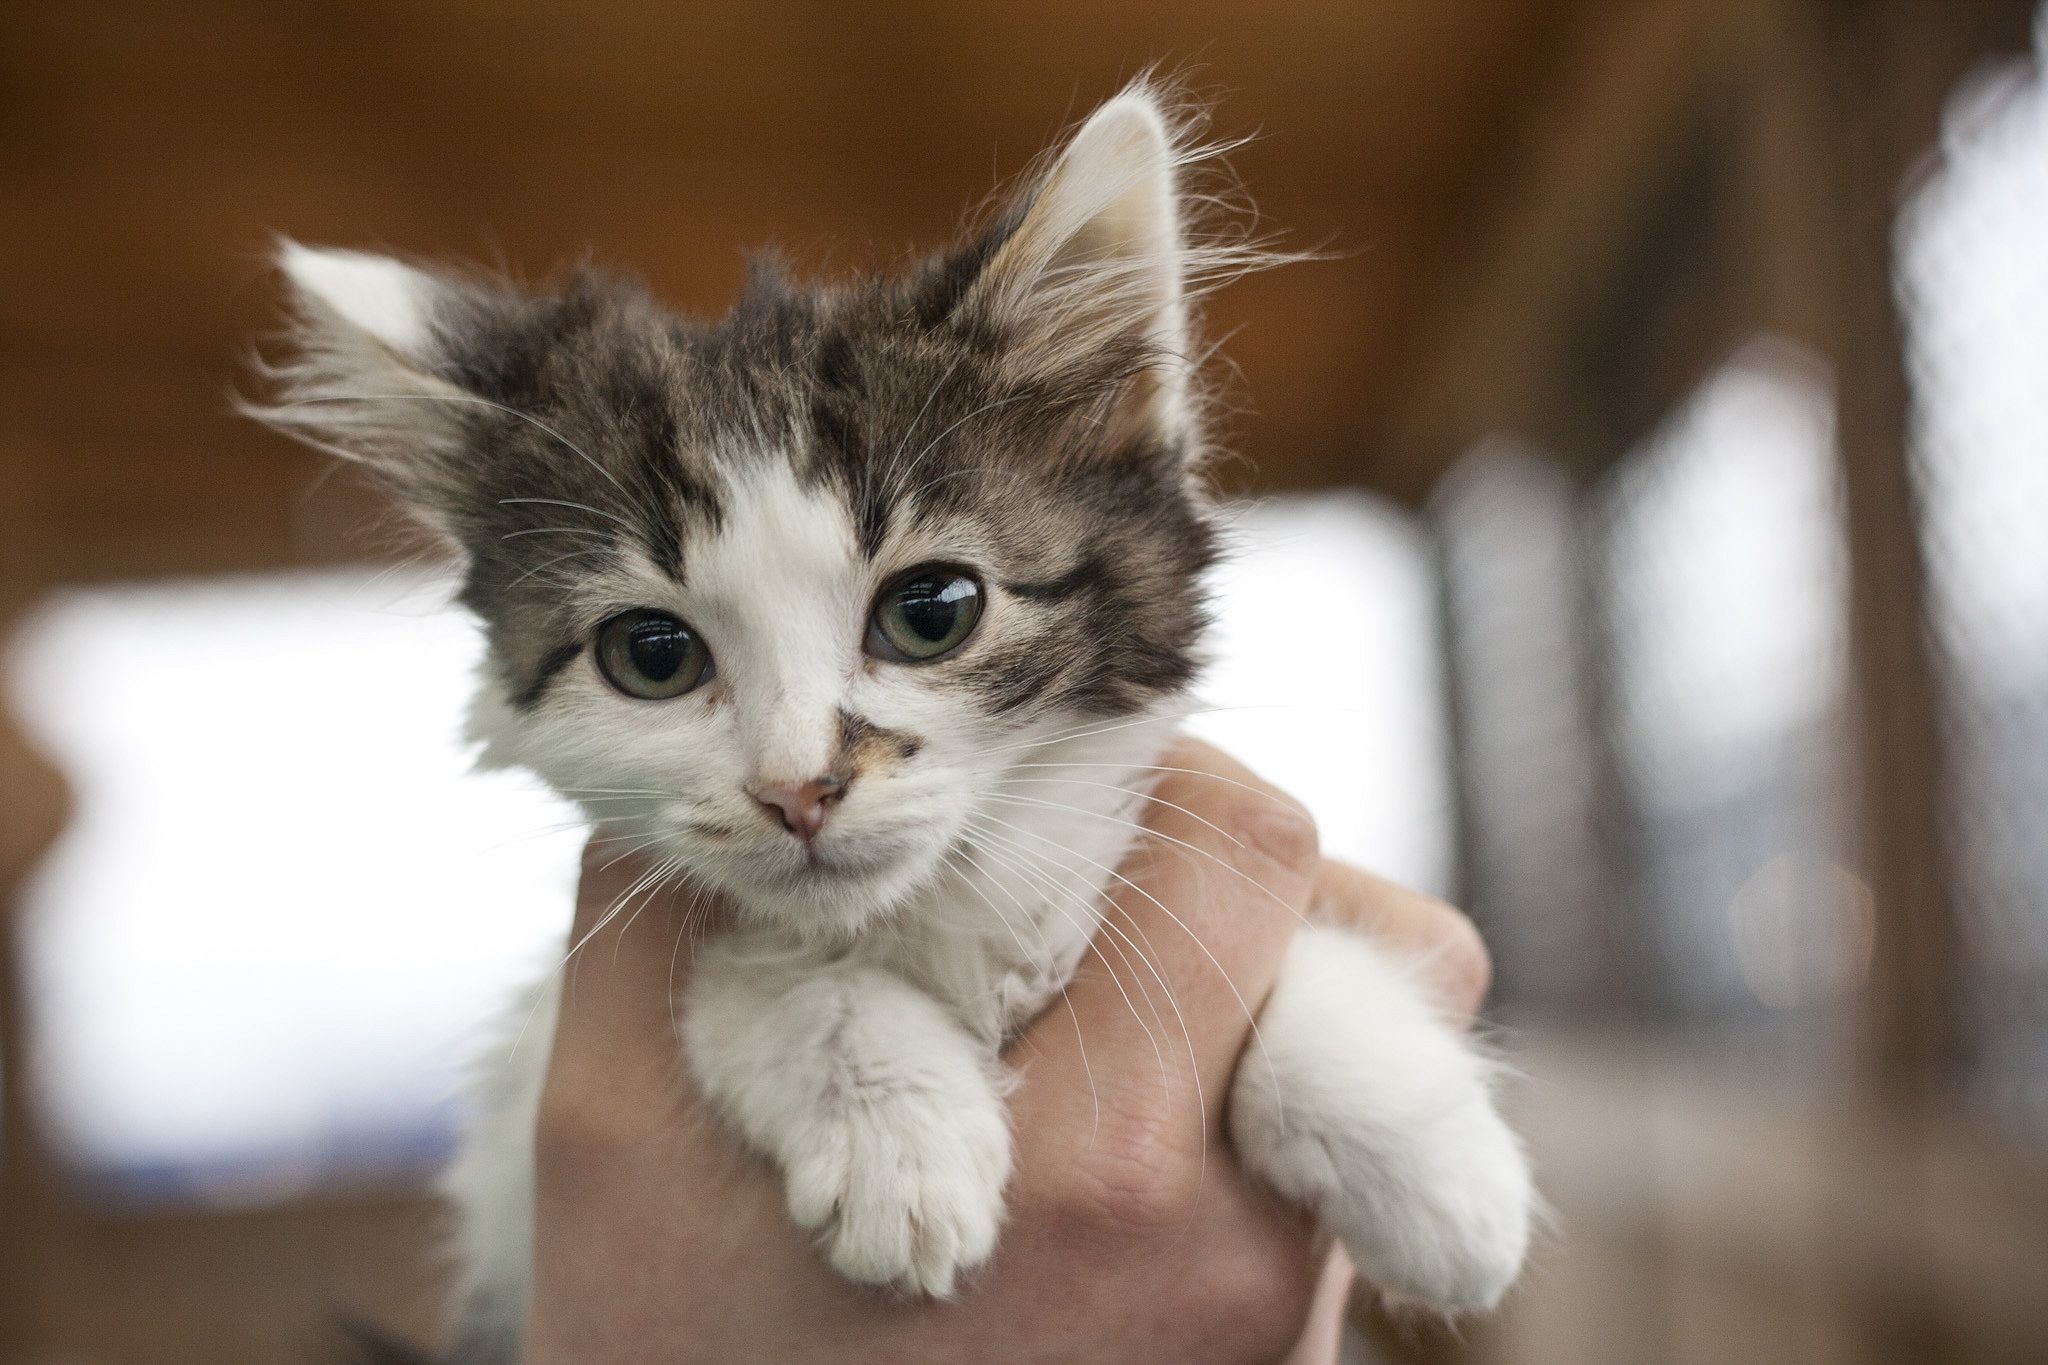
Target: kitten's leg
{"points": [[885, 1116], [490, 1185], [1375, 1113]]}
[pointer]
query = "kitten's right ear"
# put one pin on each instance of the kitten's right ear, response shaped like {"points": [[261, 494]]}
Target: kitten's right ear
{"points": [[361, 378]]}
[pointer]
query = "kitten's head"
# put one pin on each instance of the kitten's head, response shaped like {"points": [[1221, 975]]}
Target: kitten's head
{"points": [[785, 593]]}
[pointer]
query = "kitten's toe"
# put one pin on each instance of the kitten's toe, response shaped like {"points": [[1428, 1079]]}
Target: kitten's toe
{"points": [[908, 1196], [1445, 1223]]}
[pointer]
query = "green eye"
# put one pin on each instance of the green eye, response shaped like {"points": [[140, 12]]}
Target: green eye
{"points": [[651, 655], [926, 613]]}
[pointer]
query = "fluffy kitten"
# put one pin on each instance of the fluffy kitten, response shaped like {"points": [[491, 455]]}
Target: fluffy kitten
{"points": [[790, 598]]}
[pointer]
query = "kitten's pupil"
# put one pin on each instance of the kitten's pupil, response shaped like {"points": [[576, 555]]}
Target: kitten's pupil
{"points": [[931, 604], [658, 649]]}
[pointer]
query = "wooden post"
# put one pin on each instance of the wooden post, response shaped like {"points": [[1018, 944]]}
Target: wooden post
{"points": [[1870, 79]]}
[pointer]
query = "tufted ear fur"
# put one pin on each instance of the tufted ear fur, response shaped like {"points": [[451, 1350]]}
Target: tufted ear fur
{"points": [[383, 300], [1097, 260], [363, 377]]}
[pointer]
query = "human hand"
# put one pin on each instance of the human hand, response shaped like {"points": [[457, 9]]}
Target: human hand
{"points": [[1131, 1235]]}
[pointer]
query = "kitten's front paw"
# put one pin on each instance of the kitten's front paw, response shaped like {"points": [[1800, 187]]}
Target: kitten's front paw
{"points": [[1445, 1222], [907, 1191], [1371, 1110]]}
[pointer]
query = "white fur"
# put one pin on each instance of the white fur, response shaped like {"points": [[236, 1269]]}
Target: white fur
{"points": [[1370, 1110], [387, 299], [490, 1184]]}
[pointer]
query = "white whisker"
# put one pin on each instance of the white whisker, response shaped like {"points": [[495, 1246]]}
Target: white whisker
{"points": [[1257, 791], [1148, 831], [1083, 731], [573, 506], [1111, 786], [1102, 922], [468, 398], [1054, 905], [1251, 1016]]}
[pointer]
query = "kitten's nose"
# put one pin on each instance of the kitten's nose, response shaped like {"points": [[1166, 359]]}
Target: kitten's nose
{"points": [[802, 806]]}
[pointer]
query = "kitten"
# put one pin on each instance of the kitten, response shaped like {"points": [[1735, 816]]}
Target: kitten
{"points": [[788, 599]]}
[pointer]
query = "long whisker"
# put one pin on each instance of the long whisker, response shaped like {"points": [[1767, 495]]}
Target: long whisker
{"points": [[615, 791], [1149, 832], [985, 407], [1251, 1017], [1045, 951], [647, 878], [547, 564], [1046, 880], [611, 913], [1156, 768], [1112, 786], [959, 852], [683, 928], [538, 832], [1066, 999], [1149, 959], [648, 897], [1054, 905], [572, 506], [1084, 730], [480, 402], [896, 459]]}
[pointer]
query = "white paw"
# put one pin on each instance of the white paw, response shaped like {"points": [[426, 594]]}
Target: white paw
{"points": [[906, 1190], [1372, 1111], [1445, 1222]]}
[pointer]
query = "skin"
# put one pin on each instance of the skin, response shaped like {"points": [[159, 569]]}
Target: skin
{"points": [[1131, 1236]]}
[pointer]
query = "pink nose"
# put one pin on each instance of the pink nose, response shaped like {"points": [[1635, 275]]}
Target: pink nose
{"points": [[801, 807]]}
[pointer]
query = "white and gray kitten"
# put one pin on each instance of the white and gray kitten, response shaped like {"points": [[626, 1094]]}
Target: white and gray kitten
{"points": [[789, 599]]}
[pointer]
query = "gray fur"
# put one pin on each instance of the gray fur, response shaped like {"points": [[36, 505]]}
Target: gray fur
{"points": [[929, 395]]}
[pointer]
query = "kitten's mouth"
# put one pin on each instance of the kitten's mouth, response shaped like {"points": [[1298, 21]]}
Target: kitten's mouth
{"points": [[819, 865]]}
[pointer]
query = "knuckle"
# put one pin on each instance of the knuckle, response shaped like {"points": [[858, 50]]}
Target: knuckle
{"points": [[1286, 834], [1274, 825], [1464, 965], [1243, 806]]}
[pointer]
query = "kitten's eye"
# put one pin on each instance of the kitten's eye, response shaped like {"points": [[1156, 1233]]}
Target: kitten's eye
{"points": [[927, 612], [651, 655]]}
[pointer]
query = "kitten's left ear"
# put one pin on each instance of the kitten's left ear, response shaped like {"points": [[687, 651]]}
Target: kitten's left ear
{"points": [[1098, 259]]}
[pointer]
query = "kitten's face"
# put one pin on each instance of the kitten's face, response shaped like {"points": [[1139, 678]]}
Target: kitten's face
{"points": [[781, 597], [898, 673]]}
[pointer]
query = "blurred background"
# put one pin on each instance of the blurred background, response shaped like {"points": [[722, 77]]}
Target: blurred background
{"points": [[1645, 542]]}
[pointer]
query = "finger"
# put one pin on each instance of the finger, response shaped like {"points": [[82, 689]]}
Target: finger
{"points": [[1322, 1336], [1436, 935], [1194, 928]]}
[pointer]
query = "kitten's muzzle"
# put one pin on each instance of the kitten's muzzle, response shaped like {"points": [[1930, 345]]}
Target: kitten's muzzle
{"points": [[800, 807]]}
